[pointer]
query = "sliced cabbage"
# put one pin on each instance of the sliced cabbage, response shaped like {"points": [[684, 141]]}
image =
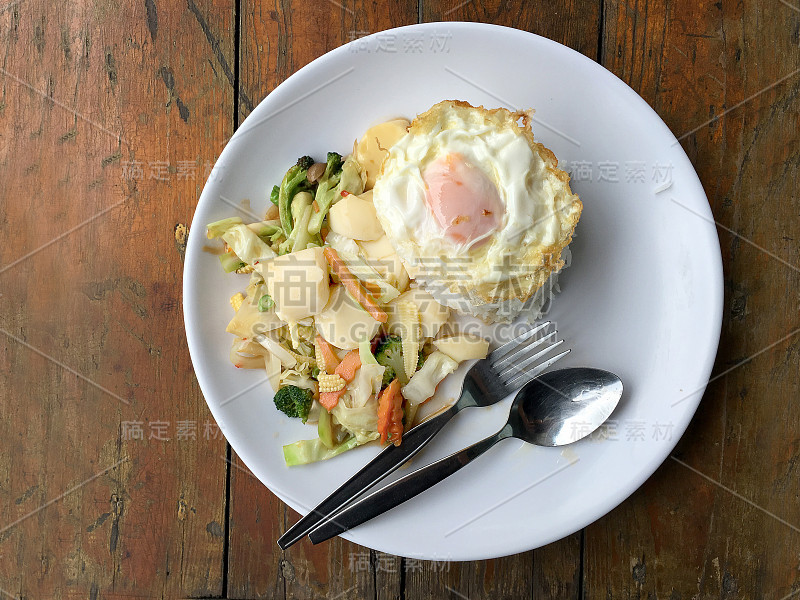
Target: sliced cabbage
{"points": [[301, 337], [365, 353], [299, 376], [247, 355], [249, 321], [423, 383], [342, 244], [366, 383], [357, 409], [294, 333], [266, 229], [315, 412], [275, 348], [308, 451], [217, 228], [351, 178], [361, 422], [244, 242], [255, 287], [273, 367]]}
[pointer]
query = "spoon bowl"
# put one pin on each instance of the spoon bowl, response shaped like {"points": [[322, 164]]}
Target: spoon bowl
{"points": [[564, 406]]}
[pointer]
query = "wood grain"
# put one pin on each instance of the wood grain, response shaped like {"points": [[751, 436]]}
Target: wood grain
{"points": [[256, 567], [574, 23], [90, 308], [557, 569], [717, 74]]}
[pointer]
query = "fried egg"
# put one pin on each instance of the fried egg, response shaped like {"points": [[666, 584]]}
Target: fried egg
{"points": [[476, 209]]}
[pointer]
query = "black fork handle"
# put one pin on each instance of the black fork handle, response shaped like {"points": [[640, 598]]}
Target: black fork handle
{"points": [[388, 461]]}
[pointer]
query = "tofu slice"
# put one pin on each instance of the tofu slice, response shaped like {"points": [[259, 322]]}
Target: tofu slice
{"points": [[372, 149], [354, 217], [299, 283], [463, 346], [344, 323]]}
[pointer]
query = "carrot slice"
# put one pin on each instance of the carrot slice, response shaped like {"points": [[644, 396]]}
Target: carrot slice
{"points": [[328, 354], [330, 399], [349, 365], [390, 414], [372, 288], [347, 370], [354, 285]]}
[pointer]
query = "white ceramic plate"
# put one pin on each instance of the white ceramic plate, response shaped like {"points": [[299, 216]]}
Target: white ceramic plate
{"points": [[642, 298]]}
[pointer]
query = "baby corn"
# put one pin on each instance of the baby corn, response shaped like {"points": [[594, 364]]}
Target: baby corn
{"points": [[409, 323], [330, 383]]}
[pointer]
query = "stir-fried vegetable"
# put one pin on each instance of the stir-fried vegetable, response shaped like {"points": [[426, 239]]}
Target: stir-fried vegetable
{"points": [[267, 229], [423, 384], [409, 325], [390, 414], [294, 401], [353, 397], [294, 181], [265, 303], [324, 352], [347, 371], [354, 286], [357, 409], [230, 262], [389, 353], [243, 242], [299, 238], [326, 190], [308, 451]]}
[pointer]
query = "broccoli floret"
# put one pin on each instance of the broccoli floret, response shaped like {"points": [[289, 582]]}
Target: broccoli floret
{"points": [[294, 181], [294, 401], [305, 162], [326, 191], [334, 164], [299, 238], [389, 353]]}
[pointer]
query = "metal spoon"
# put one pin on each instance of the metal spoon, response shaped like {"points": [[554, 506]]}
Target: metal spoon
{"points": [[557, 408]]}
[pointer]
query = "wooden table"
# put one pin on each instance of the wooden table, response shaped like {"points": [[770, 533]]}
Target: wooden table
{"points": [[115, 481]]}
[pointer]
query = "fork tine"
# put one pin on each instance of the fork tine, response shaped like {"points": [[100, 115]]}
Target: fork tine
{"points": [[508, 346], [516, 368], [523, 378], [522, 350]]}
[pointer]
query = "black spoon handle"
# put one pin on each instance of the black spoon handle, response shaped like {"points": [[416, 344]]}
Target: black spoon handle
{"points": [[405, 488], [389, 460]]}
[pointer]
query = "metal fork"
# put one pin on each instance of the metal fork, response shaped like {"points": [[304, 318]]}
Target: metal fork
{"points": [[504, 371]]}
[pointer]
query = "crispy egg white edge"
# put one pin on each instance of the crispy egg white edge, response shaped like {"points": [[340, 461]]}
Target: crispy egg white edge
{"points": [[504, 155]]}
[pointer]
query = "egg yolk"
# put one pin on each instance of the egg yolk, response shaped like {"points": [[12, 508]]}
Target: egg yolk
{"points": [[464, 201]]}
